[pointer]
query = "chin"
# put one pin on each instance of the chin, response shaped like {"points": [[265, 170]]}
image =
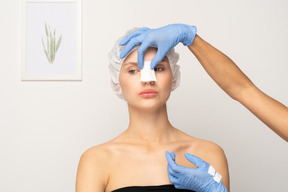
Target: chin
{"points": [[150, 104]]}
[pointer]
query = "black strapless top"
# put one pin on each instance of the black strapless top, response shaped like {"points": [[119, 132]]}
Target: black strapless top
{"points": [[157, 188]]}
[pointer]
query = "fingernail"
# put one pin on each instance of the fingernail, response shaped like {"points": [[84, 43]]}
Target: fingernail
{"points": [[121, 55], [167, 153], [122, 42]]}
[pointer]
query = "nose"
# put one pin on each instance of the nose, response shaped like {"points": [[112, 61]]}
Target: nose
{"points": [[148, 82]]}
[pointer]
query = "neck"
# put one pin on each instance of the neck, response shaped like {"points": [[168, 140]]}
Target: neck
{"points": [[149, 125]]}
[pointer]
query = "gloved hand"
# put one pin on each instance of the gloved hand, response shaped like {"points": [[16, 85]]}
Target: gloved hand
{"points": [[164, 38], [204, 178]]}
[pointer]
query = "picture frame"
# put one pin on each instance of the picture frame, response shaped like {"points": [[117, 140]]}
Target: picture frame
{"points": [[51, 40]]}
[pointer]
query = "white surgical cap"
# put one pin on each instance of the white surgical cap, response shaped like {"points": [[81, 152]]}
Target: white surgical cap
{"points": [[115, 65]]}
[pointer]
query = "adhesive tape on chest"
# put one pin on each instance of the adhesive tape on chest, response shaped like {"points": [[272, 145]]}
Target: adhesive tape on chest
{"points": [[216, 176], [211, 170], [147, 74]]}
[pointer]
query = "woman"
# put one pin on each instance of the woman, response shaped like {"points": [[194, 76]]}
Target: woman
{"points": [[137, 156]]}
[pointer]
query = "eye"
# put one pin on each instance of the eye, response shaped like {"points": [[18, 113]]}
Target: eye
{"points": [[158, 69], [132, 71]]}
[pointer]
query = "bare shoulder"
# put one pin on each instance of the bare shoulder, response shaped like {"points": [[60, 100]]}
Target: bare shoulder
{"points": [[96, 153], [208, 149], [98, 156], [210, 152], [93, 169], [215, 156]]}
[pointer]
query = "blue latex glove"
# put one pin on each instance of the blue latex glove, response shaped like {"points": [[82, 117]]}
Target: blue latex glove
{"points": [[196, 179], [164, 38]]}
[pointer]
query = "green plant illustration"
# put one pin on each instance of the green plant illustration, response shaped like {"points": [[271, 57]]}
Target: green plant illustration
{"points": [[52, 46]]}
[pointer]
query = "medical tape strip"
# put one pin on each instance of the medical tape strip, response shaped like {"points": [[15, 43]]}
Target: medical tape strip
{"points": [[211, 170], [147, 74], [216, 176]]}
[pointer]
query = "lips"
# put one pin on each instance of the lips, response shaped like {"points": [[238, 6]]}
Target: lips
{"points": [[148, 93]]}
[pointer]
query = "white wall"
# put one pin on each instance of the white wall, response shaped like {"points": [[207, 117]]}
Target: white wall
{"points": [[46, 125]]}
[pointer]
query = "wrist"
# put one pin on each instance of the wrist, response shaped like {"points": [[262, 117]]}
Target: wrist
{"points": [[188, 34]]}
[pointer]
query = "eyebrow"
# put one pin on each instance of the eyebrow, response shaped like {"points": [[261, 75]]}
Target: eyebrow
{"points": [[132, 63], [135, 63]]}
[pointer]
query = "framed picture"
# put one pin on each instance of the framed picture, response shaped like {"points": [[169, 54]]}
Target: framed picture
{"points": [[51, 40]]}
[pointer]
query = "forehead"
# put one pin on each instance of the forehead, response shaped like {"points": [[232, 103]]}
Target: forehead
{"points": [[148, 56]]}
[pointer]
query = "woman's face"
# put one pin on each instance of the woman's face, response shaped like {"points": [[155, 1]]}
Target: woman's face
{"points": [[145, 95]]}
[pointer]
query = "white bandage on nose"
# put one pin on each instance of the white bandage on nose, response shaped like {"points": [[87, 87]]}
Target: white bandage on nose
{"points": [[147, 74]]}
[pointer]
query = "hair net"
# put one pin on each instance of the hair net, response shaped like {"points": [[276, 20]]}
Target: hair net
{"points": [[115, 65]]}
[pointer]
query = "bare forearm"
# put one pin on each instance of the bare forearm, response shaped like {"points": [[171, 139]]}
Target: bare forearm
{"points": [[268, 110], [239, 87], [220, 67]]}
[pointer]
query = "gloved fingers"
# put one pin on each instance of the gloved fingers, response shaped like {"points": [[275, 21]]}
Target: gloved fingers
{"points": [[173, 179], [141, 50], [133, 34], [172, 164], [170, 170], [196, 161], [173, 176], [158, 57], [130, 45], [172, 155], [173, 172], [168, 157]]}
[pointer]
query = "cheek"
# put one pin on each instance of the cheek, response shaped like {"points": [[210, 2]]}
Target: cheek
{"points": [[165, 81], [128, 82]]}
